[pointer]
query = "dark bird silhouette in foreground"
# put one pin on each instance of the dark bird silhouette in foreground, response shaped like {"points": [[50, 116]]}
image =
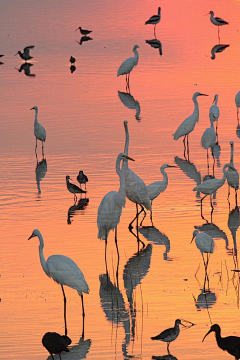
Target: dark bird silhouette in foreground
{"points": [[230, 343], [82, 178], [170, 334], [25, 54], [74, 189], [72, 60], [83, 31], [55, 343]]}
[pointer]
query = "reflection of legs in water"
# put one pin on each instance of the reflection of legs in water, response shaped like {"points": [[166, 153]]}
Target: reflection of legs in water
{"points": [[136, 217], [137, 237], [145, 214], [117, 254]]}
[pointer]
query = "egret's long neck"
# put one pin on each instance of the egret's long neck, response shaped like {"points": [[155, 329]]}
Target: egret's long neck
{"points": [[216, 100], [122, 188], [36, 115], [196, 109], [211, 120], [125, 161], [231, 158], [224, 172], [42, 259], [165, 177], [136, 56]]}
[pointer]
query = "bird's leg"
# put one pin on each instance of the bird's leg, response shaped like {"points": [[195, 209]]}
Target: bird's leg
{"points": [[213, 164], [143, 218], [184, 144], [211, 201], [168, 348], [216, 131], [218, 35], [130, 225], [237, 116], [65, 303], [236, 197], [187, 149], [42, 149], [83, 317], [151, 215], [117, 254], [106, 256], [201, 205], [155, 31], [207, 161]]}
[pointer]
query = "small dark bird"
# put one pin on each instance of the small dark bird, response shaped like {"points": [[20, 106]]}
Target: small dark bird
{"points": [[55, 343], [25, 54], [1, 56], [74, 189], [170, 334], [72, 60], [83, 32], [230, 343], [82, 178]]}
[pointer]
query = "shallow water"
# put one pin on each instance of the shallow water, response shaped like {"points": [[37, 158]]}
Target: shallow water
{"points": [[83, 116]]}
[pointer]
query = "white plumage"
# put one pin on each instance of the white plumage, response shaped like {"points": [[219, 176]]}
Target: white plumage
{"points": [[128, 64], [209, 136], [232, 174], [237, 102], [204, 242], [39, 131], [214, 109]]}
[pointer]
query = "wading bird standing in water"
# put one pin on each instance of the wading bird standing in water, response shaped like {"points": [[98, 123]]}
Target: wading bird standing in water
{"points": [[39, 130], [127, 66], [155, 19]]}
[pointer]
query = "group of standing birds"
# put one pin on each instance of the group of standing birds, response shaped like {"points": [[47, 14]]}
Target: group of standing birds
{"points": [[74, 189]]}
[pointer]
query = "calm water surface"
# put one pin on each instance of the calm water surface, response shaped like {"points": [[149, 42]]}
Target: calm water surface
{"points": [[83, 113]]}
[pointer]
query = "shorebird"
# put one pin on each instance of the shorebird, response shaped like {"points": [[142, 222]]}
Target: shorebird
{"points": [[55, 343], [169, 335], [74, 189], [127, 66], [154, 19], [230, 343], [82, 178], [72, 60], [83, 32], [217, 21], [25, 54]]}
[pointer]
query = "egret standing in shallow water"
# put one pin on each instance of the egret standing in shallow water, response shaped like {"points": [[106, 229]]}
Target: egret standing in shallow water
{"points": [[189, 123], [237, 102], [25, 54], [214, 111], [169, 335], [39, 130], [217, 21], [208, 139], [229, 343], [64, 271], [232, 175], [155, 19], [127, 66]]}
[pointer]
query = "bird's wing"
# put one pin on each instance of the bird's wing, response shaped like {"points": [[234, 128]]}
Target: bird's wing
{"points": [[155, 188], [126, 66], [136, 189], [27, 49], [185, 127]]}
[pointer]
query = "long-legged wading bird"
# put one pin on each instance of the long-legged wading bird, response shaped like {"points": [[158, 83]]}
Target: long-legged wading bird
{"points": [[208, 187], [155, 19], [208, 139], [136, 189], [127, 66], [39, 130], [169, 335], [55, 343], [205, 244], [74, 189], [189, 123], [237, 102], [231, 344], [217, 21], [83, 31], [110, 208], [157, 187], [64, 271], [82, 178], [232, 175], [214, 111], [25, 54]]}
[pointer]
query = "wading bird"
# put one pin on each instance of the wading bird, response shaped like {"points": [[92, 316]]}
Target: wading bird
{"points": [[25, 54], [136, 189], [127, 66], [188, 124], [155, 19], [110, 208], [64, 271], [55, 343], [232, 175], [83, 32], [82, 178], [208, 139], [217, 21], [72, 60], [231, 344], [170, 334], [237, 102], [157, 187], [74, 189], [214, 111], [39, 130]]}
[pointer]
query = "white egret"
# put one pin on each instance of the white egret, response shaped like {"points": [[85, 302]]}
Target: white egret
{"points": [[110, 208], [39, 130], [25, 54], [83, 31], [127, 66], [74, 189], [237, 102], [209, 138], [155, 19], [157, 187], [214, 111], [208, 187], [55, 343], [232, 175], [82, 178], [170, 334], [64, 271], [189, 123], [136, 189]]}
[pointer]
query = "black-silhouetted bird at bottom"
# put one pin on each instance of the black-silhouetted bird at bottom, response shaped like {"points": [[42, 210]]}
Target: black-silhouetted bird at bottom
{"points": [[56, 343]]}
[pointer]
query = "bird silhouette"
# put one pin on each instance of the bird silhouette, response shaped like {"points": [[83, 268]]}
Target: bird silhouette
{"points": [[39, 131], [74, 189], [82, 179], [127, 66], [25, 55], [83, 31], [154, 20], [55, 343]]}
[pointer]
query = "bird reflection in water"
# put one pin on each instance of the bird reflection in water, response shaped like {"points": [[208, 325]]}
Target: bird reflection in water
{"points": [[114, 307], [216, 152], [232, 176], [26, 68], [77, 207], [233, 225], [217, 49], [205, 300], [165, 357], [128, 100], [41, 170], [216, 233], [151, 233], [156, 44], [190, 170], [84, 39], [134, 272]]}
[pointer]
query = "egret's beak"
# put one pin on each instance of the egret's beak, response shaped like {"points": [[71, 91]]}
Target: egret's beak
{"points": [[172, 166], [192, 239], [206, 334], [30, 237], [204, 94], [128, 157], [214, 99], [32, 108]]}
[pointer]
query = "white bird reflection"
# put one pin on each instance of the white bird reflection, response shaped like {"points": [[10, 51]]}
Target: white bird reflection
{"points": [[216, 151], [205, 300], [215, 232], [128, 100], [151, 233], [217, 49], [41, 170], [78, 351], [233, 225], [190, 170], [156, 44], [114, 307], [26, 68]]}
